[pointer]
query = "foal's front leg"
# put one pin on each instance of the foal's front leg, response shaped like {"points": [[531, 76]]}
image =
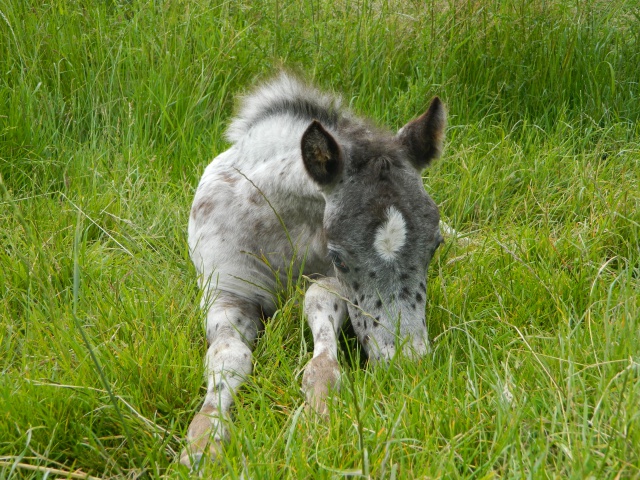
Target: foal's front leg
{"points": [[325, 312], [232, 327]]}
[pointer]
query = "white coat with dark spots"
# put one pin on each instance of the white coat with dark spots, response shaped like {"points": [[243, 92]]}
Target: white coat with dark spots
{"points": [[309, 185]]}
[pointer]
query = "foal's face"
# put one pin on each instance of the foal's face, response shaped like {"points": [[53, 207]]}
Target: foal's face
{"points": [[381, 236], [382, 228]]}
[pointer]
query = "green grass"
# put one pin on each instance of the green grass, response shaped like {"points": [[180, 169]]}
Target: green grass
{"points": [[109, 112]]}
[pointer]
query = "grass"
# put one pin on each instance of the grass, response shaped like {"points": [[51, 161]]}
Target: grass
{"points": [[109, 112]]}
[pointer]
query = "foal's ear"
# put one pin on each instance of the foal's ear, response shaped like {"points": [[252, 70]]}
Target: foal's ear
{"points": [[423, 136], [321, 155]]}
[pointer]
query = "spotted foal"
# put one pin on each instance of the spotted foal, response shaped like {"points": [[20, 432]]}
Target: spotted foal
{"points": [[306, 183]]}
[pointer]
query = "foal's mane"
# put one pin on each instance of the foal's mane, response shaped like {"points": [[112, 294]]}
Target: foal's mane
{"points": [[285, 95]]}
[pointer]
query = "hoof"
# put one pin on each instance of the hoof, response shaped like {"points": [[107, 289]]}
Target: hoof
{"points": [[204, 437], [191, 460], [316, 408], [194, 458], [321, 376]]}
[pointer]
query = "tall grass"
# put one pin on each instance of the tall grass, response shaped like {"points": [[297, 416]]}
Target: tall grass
{"points": [[161, 76], [109, 112]]}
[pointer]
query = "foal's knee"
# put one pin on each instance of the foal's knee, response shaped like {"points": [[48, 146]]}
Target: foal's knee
{"points": [[230, 355]]}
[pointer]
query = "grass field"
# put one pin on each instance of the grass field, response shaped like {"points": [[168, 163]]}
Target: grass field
{"points": [[109, 112]]}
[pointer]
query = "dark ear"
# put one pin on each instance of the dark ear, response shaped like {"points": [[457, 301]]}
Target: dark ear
{"points": [[423, 136], [321, 155]]}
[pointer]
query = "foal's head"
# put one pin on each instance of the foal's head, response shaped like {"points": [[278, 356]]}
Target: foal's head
{"points": [[382, 228]]}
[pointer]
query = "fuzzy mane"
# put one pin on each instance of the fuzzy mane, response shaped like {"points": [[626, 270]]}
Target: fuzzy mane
{"points": [[285, 95]]}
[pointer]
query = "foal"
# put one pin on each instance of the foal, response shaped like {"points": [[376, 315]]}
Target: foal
{"points": [[306, 183]]}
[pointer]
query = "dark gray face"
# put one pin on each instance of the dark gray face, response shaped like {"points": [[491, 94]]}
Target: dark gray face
{"points": [[382, 228], [382, 231]]}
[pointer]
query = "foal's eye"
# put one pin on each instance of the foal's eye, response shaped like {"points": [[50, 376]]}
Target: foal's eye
{"points": [[337, 261], [433, 249]]}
